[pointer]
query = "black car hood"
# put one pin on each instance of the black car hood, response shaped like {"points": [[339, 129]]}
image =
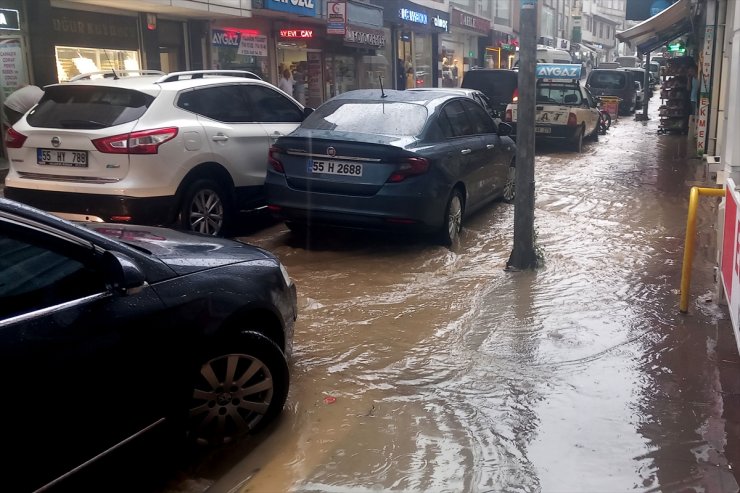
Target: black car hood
{"points": [[182, 252]]}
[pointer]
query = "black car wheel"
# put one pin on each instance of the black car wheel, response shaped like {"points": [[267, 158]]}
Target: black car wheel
{"points": [[578, 141], [238, 390], [510, 186], [205, 208], [452, 219]]}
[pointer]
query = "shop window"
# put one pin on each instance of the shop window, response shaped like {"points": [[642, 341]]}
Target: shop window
{"points": [[73, 61]]}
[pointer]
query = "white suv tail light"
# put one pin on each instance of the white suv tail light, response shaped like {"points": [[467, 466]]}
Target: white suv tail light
{"points": [[14, 139], [140, 142]]}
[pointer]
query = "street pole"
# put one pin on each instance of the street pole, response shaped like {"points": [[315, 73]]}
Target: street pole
{"points": [[524, 254]]}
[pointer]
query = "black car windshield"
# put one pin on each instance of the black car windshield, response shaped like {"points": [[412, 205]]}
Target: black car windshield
{"points": [[608, 80], [369, 117], [88, 107]]}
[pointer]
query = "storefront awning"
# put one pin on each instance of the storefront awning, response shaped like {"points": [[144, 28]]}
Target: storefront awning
{"points": [[660, 28]]}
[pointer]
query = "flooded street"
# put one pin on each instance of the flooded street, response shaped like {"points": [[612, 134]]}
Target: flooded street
{"points": [[416, 368]]}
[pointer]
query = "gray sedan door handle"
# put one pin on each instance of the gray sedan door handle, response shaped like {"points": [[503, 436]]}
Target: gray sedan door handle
{"points": [[490, 146], [466, 151], [220, 138]]}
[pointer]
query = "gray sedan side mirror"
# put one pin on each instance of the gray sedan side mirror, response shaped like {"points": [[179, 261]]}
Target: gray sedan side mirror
{"points": [[504, 129]]}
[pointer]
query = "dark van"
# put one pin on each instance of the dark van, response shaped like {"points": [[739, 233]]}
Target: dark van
{"points": [[500, 85], [614, 82]]}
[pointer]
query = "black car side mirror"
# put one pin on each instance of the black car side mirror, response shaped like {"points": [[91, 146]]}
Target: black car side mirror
{"points": [[121, 273], [307, 111], [504, 129]]}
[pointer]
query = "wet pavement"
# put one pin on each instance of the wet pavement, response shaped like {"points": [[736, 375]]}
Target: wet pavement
{"points": [[418, 368]]}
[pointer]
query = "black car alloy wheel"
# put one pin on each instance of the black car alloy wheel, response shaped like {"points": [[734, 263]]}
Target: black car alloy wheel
{"points": [[236, 393]]}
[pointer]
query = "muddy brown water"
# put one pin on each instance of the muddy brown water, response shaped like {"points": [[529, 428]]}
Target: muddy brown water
{"points": [[450, 374]]}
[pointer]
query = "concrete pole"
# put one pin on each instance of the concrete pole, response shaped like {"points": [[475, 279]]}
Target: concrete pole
{"points": [[524, 254], [646, 87]]}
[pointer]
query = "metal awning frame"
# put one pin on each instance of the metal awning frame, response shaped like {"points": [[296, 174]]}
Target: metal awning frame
{"points": [[660, 29]]}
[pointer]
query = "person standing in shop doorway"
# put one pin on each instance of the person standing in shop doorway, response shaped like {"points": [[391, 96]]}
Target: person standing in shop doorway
{"points": [[299, 85], [286, 82], [455, 73], [20, 101]]}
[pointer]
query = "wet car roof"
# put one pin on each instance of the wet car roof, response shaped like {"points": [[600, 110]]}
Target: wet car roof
{"points": [[392, 95]]}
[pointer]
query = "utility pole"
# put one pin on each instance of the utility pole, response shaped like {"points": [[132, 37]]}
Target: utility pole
{"points": [[524, 254]]}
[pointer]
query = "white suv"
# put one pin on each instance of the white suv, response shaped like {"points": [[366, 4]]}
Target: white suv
{"points": [[187, 149]]}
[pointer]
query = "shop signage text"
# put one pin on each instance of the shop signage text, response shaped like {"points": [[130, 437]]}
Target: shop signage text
{"points": [[253, 46], [364, 37], [706, 71], [413, 16], [296, 33], [336, 22], [10, 20], [300, 7], [440, 22], [71, 27], [225, 38], [470, 21]]}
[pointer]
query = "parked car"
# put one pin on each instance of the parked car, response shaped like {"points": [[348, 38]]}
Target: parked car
{"points": [[409, 160], [628, 61], [185, 149], [499, 85], [111, 330], [614, 82], [639, 76], [473, 94], [566, 112]]}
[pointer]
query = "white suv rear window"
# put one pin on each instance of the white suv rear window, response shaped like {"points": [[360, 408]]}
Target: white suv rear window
{"points": [[88, 107]]}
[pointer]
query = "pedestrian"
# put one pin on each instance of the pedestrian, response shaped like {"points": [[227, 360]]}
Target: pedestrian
{"points": [[693, 85], [20, 101], [455, 73], [299, 86], [446, 73], [286, 82]]}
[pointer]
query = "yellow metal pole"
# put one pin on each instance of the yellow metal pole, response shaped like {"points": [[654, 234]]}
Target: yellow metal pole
{"points": [[688, 251]]}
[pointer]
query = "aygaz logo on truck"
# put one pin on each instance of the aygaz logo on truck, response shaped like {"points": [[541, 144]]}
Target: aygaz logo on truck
{"points": [[557, 71]]}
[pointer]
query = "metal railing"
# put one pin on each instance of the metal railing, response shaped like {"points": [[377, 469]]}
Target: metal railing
{"points": [[688, 252]]}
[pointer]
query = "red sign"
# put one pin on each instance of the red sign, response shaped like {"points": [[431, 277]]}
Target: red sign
{"points": [[296, 33], [470, 21], [729, 254]]}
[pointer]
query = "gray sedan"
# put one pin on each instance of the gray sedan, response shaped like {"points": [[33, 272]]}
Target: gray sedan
{"points": [[373, 159]]}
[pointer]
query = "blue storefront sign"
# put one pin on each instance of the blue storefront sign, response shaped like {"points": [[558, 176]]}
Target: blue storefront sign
{"points": [[301, 7]]}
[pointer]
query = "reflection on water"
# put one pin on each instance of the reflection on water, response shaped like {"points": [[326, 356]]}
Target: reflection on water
{"points": [[452, 375]]}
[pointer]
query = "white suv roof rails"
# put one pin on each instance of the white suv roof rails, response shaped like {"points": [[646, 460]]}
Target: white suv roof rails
{"points": [[109, 74], [198, 74]]}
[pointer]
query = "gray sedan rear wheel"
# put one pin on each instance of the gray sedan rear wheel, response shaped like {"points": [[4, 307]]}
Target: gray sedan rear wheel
{"points": [[510, 187], [452, 219]]}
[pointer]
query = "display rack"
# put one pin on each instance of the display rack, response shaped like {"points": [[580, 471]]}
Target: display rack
{"points": [[674, 95]]}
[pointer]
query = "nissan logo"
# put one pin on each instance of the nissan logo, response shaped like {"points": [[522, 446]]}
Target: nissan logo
{"points": [[56, 142], [330, 151]]}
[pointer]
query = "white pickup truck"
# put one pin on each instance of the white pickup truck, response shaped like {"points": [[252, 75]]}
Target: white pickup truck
{"points": [[565, 110]]}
